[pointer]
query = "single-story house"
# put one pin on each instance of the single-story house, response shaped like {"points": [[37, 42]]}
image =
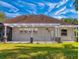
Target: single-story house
{"points": [[38, 29]]}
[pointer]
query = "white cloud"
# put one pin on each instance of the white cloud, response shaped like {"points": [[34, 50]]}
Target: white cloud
{"points": [[30, 11], [61, 3], [68, 10], [42, 4], [12, 14], [59, 16], [60, 11], [51, 6], [64, 12], [26, 3], [73, 11], [8, 6]]}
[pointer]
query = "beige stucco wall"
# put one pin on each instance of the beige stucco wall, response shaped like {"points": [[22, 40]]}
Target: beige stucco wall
{"points": [[70, 34], [17, 36], [43, 35]]}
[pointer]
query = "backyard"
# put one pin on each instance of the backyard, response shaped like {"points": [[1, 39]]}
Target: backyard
{"points": [[39, 51]]}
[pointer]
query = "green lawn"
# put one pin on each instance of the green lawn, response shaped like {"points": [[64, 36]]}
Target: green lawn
{"points": [[39, 51]]}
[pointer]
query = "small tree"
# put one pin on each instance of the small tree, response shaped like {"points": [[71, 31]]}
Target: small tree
{"points": [[68, 20], [2, 17]]}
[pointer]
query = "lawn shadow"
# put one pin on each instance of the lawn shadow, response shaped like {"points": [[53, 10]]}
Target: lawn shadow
{"points": [[28, 52]]}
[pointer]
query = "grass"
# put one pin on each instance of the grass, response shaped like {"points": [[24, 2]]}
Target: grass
{"points": [[39, 51]]}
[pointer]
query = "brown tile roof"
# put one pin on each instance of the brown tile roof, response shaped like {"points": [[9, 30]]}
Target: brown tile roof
{"points": [[35, 19]]}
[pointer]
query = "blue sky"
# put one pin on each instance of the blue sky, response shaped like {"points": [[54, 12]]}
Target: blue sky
{"points": [[52, 8]]}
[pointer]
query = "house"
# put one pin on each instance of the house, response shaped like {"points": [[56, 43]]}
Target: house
{"points": [[38, 29]]}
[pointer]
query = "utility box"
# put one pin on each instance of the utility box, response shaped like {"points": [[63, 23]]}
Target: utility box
{"points": [[58, 39]]}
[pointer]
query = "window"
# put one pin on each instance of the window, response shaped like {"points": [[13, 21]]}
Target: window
{"points": [[25, 31], [21, 31], [28, 30], [64, 32], [35, 31]]}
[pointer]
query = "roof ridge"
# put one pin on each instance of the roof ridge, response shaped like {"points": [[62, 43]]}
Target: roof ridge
{"points": [[34, 19]]}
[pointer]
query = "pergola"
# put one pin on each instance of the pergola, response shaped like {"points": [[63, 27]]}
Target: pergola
{"points": [[36, 25]]}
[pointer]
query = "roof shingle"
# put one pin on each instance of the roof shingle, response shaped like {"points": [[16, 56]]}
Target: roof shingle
{"points": [[35, 19]]}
